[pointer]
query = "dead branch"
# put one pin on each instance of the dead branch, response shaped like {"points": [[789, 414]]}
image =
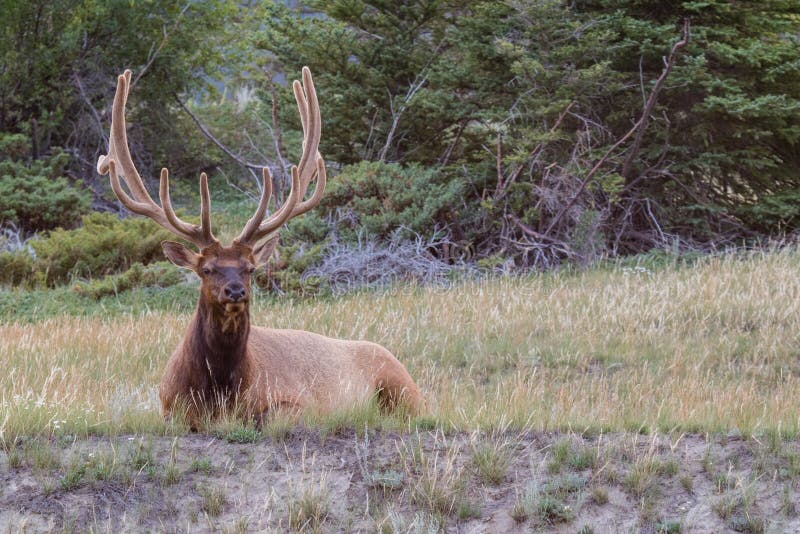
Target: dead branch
{"points": [[638, 129], [412, 90], [502, 185], [277, 136], [151, 57], [96, 116], [445, 159], [651, 102], [211, 137], [538, 235], [499, 160]]}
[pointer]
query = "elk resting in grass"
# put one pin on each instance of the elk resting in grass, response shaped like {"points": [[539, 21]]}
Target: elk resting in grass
{"points": [[223, 360]]}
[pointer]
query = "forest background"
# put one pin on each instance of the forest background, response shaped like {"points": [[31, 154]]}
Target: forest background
{"points": [[462, 135]]}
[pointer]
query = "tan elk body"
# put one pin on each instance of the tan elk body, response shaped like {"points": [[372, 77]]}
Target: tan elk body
{"points": [[222, 357]]}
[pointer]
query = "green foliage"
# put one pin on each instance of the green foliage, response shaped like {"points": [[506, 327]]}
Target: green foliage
{"points": [[159, 274], [517, 101], [386, 197], [285, 273], [397, 81], [103, 245], [238, 433], [726, 120], [33, 193], [16, 268], [776, 212], [36, 304], [59, 60], [481, 117]]}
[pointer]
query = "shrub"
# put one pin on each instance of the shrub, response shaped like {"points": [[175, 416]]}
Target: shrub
{"points": [[33, 194], [385, 196], [285, 271], [160, 274], [777, 211], [16, 268], [103, 245]]}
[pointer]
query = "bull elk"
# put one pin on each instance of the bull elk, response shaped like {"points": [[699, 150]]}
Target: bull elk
{"points": [[222, 358]]}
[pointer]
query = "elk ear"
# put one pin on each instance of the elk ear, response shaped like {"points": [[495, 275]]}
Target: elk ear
{"points": [[180, 255], [264, 251]]}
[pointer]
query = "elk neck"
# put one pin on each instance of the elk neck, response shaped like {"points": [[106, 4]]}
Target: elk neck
{"points": [[218, 343]]}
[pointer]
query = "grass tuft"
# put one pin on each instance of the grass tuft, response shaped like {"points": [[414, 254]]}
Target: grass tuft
{"points": [[213, 500], [309, 510], [491, 459], [599, 495], [202, 465], [74, 474], [240, 434]]}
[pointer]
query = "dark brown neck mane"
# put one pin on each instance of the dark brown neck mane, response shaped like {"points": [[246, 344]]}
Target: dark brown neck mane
{"points": [[217, 343]]}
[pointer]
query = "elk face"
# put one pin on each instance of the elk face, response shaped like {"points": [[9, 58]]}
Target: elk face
{"points": [[225, 272]]}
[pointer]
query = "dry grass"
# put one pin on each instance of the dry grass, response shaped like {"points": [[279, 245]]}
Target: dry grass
{"points": [[704, 348]]}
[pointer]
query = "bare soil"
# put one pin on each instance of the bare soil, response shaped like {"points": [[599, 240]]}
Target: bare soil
{"points": [[390, 482]]}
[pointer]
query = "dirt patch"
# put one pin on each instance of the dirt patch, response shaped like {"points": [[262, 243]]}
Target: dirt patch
{"points": [[402, 482]]}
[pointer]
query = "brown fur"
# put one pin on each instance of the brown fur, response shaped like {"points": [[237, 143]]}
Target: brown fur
{"points": [[223, 358]]}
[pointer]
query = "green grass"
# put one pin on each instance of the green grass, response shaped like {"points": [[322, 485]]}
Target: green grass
{"points": [[708, 346], [549, 504], [236, 432], [213, 500], [308, 510], [74, 474], [29, 306], [492, 458], [202, 465]]}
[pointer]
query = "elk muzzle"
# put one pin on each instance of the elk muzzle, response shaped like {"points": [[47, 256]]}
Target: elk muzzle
{"points": [[234, 292], [234, 297]]}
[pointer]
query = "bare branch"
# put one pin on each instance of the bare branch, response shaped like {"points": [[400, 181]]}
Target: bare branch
{"points": [[95, 115], [412, 90], [213, 138], [651, 102], [166, 35], [277, 136], [503, 187], [638, 129]]}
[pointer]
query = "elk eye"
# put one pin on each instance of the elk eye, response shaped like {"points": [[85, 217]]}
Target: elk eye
{"points": [[251, 269], [206, 270]]}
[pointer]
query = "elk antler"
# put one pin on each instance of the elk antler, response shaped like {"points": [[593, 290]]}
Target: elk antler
{"points": [[311, 163], [119, 156]]}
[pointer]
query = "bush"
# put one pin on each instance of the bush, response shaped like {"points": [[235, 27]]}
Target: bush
{"points": [[103, 245], [285, 271], [160, 274], [383, 197], [773, 213], [16, 268], [33, 194]]}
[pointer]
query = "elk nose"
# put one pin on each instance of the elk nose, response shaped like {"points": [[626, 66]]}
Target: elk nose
{"points": [[235, 292]]}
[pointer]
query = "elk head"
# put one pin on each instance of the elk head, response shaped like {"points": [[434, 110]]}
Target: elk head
{"points": [[224, 271]]}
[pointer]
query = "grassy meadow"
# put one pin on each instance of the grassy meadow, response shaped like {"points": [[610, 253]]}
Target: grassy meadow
{"points": [[710, 346]]}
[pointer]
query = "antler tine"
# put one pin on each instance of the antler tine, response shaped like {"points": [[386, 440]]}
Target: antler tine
{"points": [[256, 229], [311, 164], [186, 229], [319, 190], [205, 209], [141, 203], [307, 104], [254, 222]]}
